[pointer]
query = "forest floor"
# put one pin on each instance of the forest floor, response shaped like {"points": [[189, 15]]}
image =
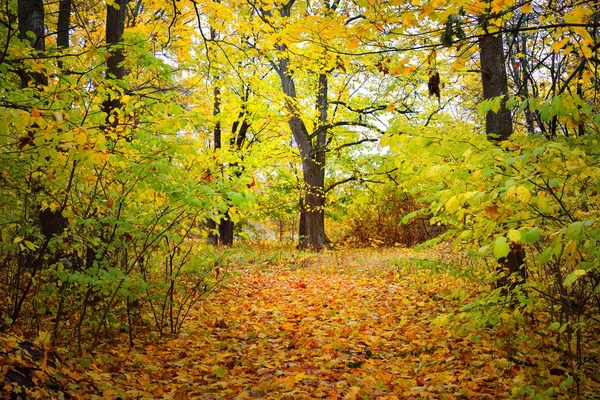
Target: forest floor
{"points": [[331, 326]]}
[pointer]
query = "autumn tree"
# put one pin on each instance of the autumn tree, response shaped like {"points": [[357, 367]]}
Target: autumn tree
{"points": [[101, 167], [318, 67], [514, 192]]}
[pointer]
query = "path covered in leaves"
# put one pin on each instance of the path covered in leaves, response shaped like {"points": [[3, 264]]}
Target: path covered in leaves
{"points": [[334, 326], [323, 331]]}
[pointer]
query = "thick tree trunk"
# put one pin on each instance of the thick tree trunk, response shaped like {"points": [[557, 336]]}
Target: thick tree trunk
{"points": [[226, 231], [313, 229], [64, 23], [31, 19], [115, 26], [312, 214], [498, 126], [313, 166]]}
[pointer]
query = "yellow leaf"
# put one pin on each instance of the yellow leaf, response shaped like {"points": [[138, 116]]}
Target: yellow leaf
{"points": [[289, 383], [43, 339], [526, 8], [556, 46], [299, 377], [519, 192], [586, 52], [514, 235], [353, 43]]}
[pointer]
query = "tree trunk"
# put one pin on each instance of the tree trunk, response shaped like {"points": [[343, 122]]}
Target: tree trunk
{"points": [[213, 236], [312, 223], [239, 130], [498, 126], [313, 166], [314, 206], [31, 19], [115, 26], [64, 22], [226, 231]]}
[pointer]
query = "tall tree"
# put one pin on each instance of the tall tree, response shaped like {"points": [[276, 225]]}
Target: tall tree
{"points": [[313, 135], [498, 127], [115, 68], [32, 29]]}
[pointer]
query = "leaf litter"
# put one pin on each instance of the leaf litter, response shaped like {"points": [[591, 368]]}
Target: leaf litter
{"points": [[341, 325]]}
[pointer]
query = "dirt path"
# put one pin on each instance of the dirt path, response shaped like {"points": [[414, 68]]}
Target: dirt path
{"points": [[324, 331]]}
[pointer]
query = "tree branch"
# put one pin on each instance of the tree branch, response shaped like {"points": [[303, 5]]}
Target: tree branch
{"points": [[345, 123], [365, 140]]}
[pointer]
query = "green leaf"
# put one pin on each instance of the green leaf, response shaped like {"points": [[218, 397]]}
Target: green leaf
{"points": [[501, 247], [575, 230], [532, 236], [483, 108], [522, 106], [29, 245], [511, 102], [221, 372], [236, 198], [546, 254], [496, 104], [355, 364], [572, 277], [566, 383]]}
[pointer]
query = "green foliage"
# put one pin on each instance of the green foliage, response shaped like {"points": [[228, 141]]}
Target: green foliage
{"points": [[100, 221], [532, 192]]}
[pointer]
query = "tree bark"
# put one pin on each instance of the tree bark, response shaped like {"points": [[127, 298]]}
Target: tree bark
{"points": [[499, 126], [64, 23], [239, 130], [213, 236], [115, 26], [31, 19], [312, 214]]}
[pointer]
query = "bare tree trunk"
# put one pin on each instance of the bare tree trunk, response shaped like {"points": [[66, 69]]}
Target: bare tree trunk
{"points": [[64, 22]]}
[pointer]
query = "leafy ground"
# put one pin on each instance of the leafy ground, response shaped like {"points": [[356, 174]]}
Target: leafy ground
{"points": [[334, 326]]}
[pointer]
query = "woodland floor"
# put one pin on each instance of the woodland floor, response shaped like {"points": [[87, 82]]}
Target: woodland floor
{"points": [[333, 326]]}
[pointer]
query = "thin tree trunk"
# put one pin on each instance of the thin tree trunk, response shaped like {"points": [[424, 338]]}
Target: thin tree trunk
{"points": [[115, 26], [213, 237]]}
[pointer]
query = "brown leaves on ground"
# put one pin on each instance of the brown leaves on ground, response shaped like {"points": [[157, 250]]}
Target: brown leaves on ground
{"points": [[335, 329]]}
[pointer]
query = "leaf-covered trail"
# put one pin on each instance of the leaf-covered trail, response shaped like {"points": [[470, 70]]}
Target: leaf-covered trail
{"points": [[315, 332]]}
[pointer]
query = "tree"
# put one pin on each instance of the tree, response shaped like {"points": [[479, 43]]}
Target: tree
{"points": [[316, 66]]}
